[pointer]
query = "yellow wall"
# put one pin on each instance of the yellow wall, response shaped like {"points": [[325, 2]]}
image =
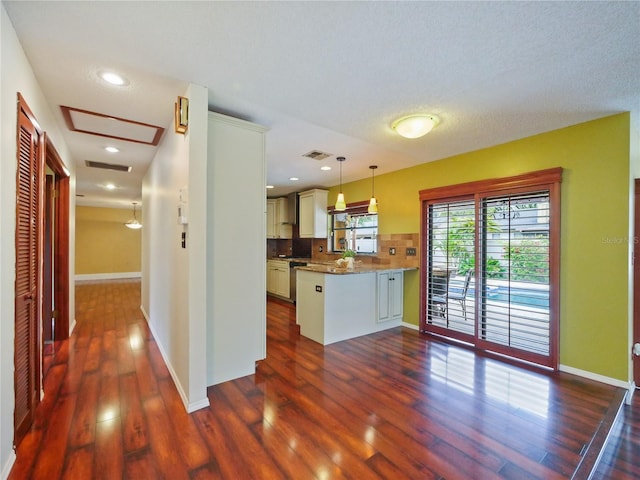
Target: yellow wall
{"points": [[594, 232], [104, 244]]}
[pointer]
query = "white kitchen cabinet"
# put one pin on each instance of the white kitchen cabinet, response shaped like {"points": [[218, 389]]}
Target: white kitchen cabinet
{"points": [[312, 222], [271, 218], [271, 277], [283, 228], [277, 218], [278, 278], [390, 295]]}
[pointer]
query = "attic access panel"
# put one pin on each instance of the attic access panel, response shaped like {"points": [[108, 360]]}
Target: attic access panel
{"points": [[94, 123]]}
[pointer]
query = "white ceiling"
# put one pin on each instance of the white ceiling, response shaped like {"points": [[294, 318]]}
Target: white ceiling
{"points": [[333, 75]]}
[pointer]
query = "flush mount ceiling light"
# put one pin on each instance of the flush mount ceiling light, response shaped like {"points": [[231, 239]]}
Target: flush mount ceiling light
{"points": [[112, 149], [269, 187], [326, 168], [341, 205], [415, 126], [294, 179], [133, 224], [113, 78]]}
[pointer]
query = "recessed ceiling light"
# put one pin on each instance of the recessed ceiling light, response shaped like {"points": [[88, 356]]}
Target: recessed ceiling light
{"points": [[325, 168], [113, 78], [270, 186], [110, 186], [294, 179], [112, 149]]}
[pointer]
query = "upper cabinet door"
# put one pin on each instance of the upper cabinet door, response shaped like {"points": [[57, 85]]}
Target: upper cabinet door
{"points": [[313, 214], [271, 218]]}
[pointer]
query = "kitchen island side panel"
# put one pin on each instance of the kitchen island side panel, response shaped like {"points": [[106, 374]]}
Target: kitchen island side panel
{"points": [[349, 306], [310, 305], [331, 308]]}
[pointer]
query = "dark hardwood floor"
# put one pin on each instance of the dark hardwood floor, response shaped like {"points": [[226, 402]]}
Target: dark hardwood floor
{"points": [[390, 405]]}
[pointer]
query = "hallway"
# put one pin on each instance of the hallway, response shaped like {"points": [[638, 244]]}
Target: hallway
{"points": [[389, 405]]}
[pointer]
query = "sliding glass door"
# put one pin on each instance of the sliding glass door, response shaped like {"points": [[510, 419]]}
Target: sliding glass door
{"points": [[491, 266], [451, 266]]}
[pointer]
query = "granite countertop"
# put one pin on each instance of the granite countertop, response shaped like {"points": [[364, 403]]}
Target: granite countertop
{"points": [[333, 269], [290, 259]]}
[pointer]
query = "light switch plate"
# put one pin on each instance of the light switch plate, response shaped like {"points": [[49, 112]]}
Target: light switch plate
{"points": [[392, 251]]}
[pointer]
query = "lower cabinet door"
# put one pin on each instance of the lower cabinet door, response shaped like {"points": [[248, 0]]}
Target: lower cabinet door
{"points": [[390, 295]]}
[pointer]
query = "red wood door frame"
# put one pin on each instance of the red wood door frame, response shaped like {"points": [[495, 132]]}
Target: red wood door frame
{"points": [[47, 265], [61, 284]]}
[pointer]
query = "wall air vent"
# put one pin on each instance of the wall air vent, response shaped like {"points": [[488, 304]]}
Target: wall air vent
{"points": [[107, 166], [317, 155]]}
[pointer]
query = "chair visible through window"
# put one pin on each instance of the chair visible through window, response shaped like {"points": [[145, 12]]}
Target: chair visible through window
{"points": [[456, 290]]}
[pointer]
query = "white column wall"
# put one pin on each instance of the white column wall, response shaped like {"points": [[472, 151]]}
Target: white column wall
{"points": [[174, 278]]}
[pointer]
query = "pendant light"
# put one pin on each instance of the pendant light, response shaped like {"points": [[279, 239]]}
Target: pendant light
{"points": [[341, 205], [134, 224], [373, 203]]}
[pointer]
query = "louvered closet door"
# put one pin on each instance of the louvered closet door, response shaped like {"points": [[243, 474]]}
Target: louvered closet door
{"points": [[26, 302]]}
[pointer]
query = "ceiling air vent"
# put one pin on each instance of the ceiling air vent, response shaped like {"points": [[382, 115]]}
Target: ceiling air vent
{"points": [[316, 155], [107, 166]]}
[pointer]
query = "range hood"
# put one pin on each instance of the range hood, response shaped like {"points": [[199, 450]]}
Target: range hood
{"points": [[292, 200]]}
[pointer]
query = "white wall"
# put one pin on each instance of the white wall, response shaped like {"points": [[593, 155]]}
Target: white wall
{"points": [[236, 285], [174, 278], [16, 76]]}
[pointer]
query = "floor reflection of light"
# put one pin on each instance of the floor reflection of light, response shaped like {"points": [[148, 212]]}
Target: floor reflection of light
{"points": [[293, 443], [336, 458], [455, 368], [107, 414], [323, 474], [135, 341], [268, 417], [518, 389], [370, 435]]}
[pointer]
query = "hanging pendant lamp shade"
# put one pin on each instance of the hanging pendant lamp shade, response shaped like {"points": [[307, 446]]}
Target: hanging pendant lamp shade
{"points": [[133, 224], [373, 203], [341, 205]]}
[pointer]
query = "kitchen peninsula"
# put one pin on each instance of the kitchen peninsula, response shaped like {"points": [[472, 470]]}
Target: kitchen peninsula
{"points": [[335, 304]]}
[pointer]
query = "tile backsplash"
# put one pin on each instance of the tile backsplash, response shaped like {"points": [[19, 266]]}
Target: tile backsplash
{"points": [[399, 241]]}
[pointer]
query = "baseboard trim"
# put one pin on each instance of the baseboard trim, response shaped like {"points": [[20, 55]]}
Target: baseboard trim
{"points": [[6, 470], [188, 406], [87, 277], [594, 376], [410, 325]]}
